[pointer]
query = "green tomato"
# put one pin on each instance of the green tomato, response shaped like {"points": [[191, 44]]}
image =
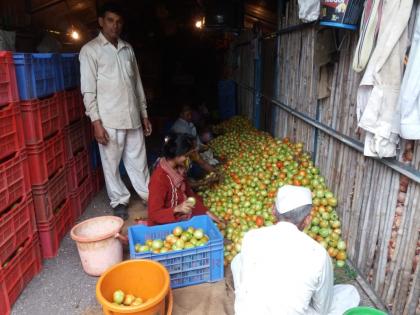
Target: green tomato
{"points": [[340, 263], [315, 221], [315, 229], [324, 232], [341, 245], [118, 297], [157, 244]]}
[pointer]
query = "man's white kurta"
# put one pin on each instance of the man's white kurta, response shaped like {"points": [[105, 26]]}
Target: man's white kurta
{"points": [[281, 270], [113, 92], [111, 85]]}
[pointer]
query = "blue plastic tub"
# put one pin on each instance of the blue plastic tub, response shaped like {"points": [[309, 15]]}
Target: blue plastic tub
{"points": [[69, 70], [36, 74], [186, 267]]}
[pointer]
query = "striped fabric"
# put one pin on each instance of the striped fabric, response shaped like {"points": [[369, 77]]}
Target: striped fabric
{"points": [[369, 28]]}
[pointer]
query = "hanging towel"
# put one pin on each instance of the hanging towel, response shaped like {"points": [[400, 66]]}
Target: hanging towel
{"points": [[378, 108], [410, 89], [369, 27], [309, 10]]}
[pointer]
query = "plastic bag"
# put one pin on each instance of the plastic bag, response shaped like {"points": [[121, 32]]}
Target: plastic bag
{"points": [[309, 10], [7, 40]]}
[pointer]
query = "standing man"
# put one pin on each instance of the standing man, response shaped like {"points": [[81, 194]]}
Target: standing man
{"points": [[116, 104], [283, 271]]}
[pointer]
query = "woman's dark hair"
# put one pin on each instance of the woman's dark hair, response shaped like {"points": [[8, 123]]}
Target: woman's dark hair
{"points": [[177, 145], [112, 7]]}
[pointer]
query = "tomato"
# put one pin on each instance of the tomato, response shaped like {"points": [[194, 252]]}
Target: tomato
{"points": [[324, 232], [341, 255], [255, 166], [323, 224], [118, 296], [333, 252], [332, 202], [341, 245], [315, 221], [259, 221], [340, 263], [297, 182], [315, 229]]}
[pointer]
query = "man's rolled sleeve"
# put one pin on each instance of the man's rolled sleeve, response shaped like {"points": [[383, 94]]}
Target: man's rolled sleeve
{"points": [[88, 77]]}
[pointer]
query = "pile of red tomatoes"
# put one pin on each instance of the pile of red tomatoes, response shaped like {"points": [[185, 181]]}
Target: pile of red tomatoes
{"points": [[255, 166]]}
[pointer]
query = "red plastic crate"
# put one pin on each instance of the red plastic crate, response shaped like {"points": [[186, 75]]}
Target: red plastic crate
{"points": [[98, 180], [89, 132], [46, 158], [11, 131], [41, 118], [48, 197], [81, 198], [14, 180], [8, 86], [4, 298], [73, 106], [78, 169], [75, 138], [16, 225], [52, 233], [24, 264]]}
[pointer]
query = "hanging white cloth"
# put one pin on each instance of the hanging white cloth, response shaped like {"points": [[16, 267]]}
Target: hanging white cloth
{"points": [[369, 27], [309, 10], [378, 108], [410, 89]]}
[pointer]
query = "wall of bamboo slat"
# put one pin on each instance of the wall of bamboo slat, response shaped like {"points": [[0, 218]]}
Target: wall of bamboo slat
{"points": [[380, 220]]}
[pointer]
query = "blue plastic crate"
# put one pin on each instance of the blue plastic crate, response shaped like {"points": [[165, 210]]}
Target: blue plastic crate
{"points": [[36, 74], [69, 70], [189, 266], [227, 98]]}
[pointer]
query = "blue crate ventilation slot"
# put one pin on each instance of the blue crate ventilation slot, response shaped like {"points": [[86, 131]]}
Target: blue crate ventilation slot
{"points": [[36, 74], [69, 71], [189, 266]]}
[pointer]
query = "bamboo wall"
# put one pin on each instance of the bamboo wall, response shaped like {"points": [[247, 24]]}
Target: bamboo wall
{"points": [[379, 209]]}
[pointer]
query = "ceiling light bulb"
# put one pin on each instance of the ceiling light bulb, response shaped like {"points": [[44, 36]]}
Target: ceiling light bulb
{"points": [[199, 24], [75, 35]]}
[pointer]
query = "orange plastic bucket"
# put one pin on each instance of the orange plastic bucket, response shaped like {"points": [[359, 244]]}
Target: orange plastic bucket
{"points": [[143, 278]]}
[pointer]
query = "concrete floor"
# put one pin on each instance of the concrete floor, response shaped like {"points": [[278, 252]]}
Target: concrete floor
{"points": [[62, 288]]}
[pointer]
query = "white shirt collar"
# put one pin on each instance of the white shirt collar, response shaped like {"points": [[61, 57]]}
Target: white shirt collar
{"points": [[104, 41]]}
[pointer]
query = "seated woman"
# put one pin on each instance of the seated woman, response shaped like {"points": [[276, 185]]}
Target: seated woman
{"points": [[168, 187]]}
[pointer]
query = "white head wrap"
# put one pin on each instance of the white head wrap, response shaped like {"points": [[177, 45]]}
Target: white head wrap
{"points": [[291, 197]]}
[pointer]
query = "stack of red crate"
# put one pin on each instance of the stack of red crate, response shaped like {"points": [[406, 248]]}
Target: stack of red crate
{"points": [[20, 258], [79, 171], [45, 141]]}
